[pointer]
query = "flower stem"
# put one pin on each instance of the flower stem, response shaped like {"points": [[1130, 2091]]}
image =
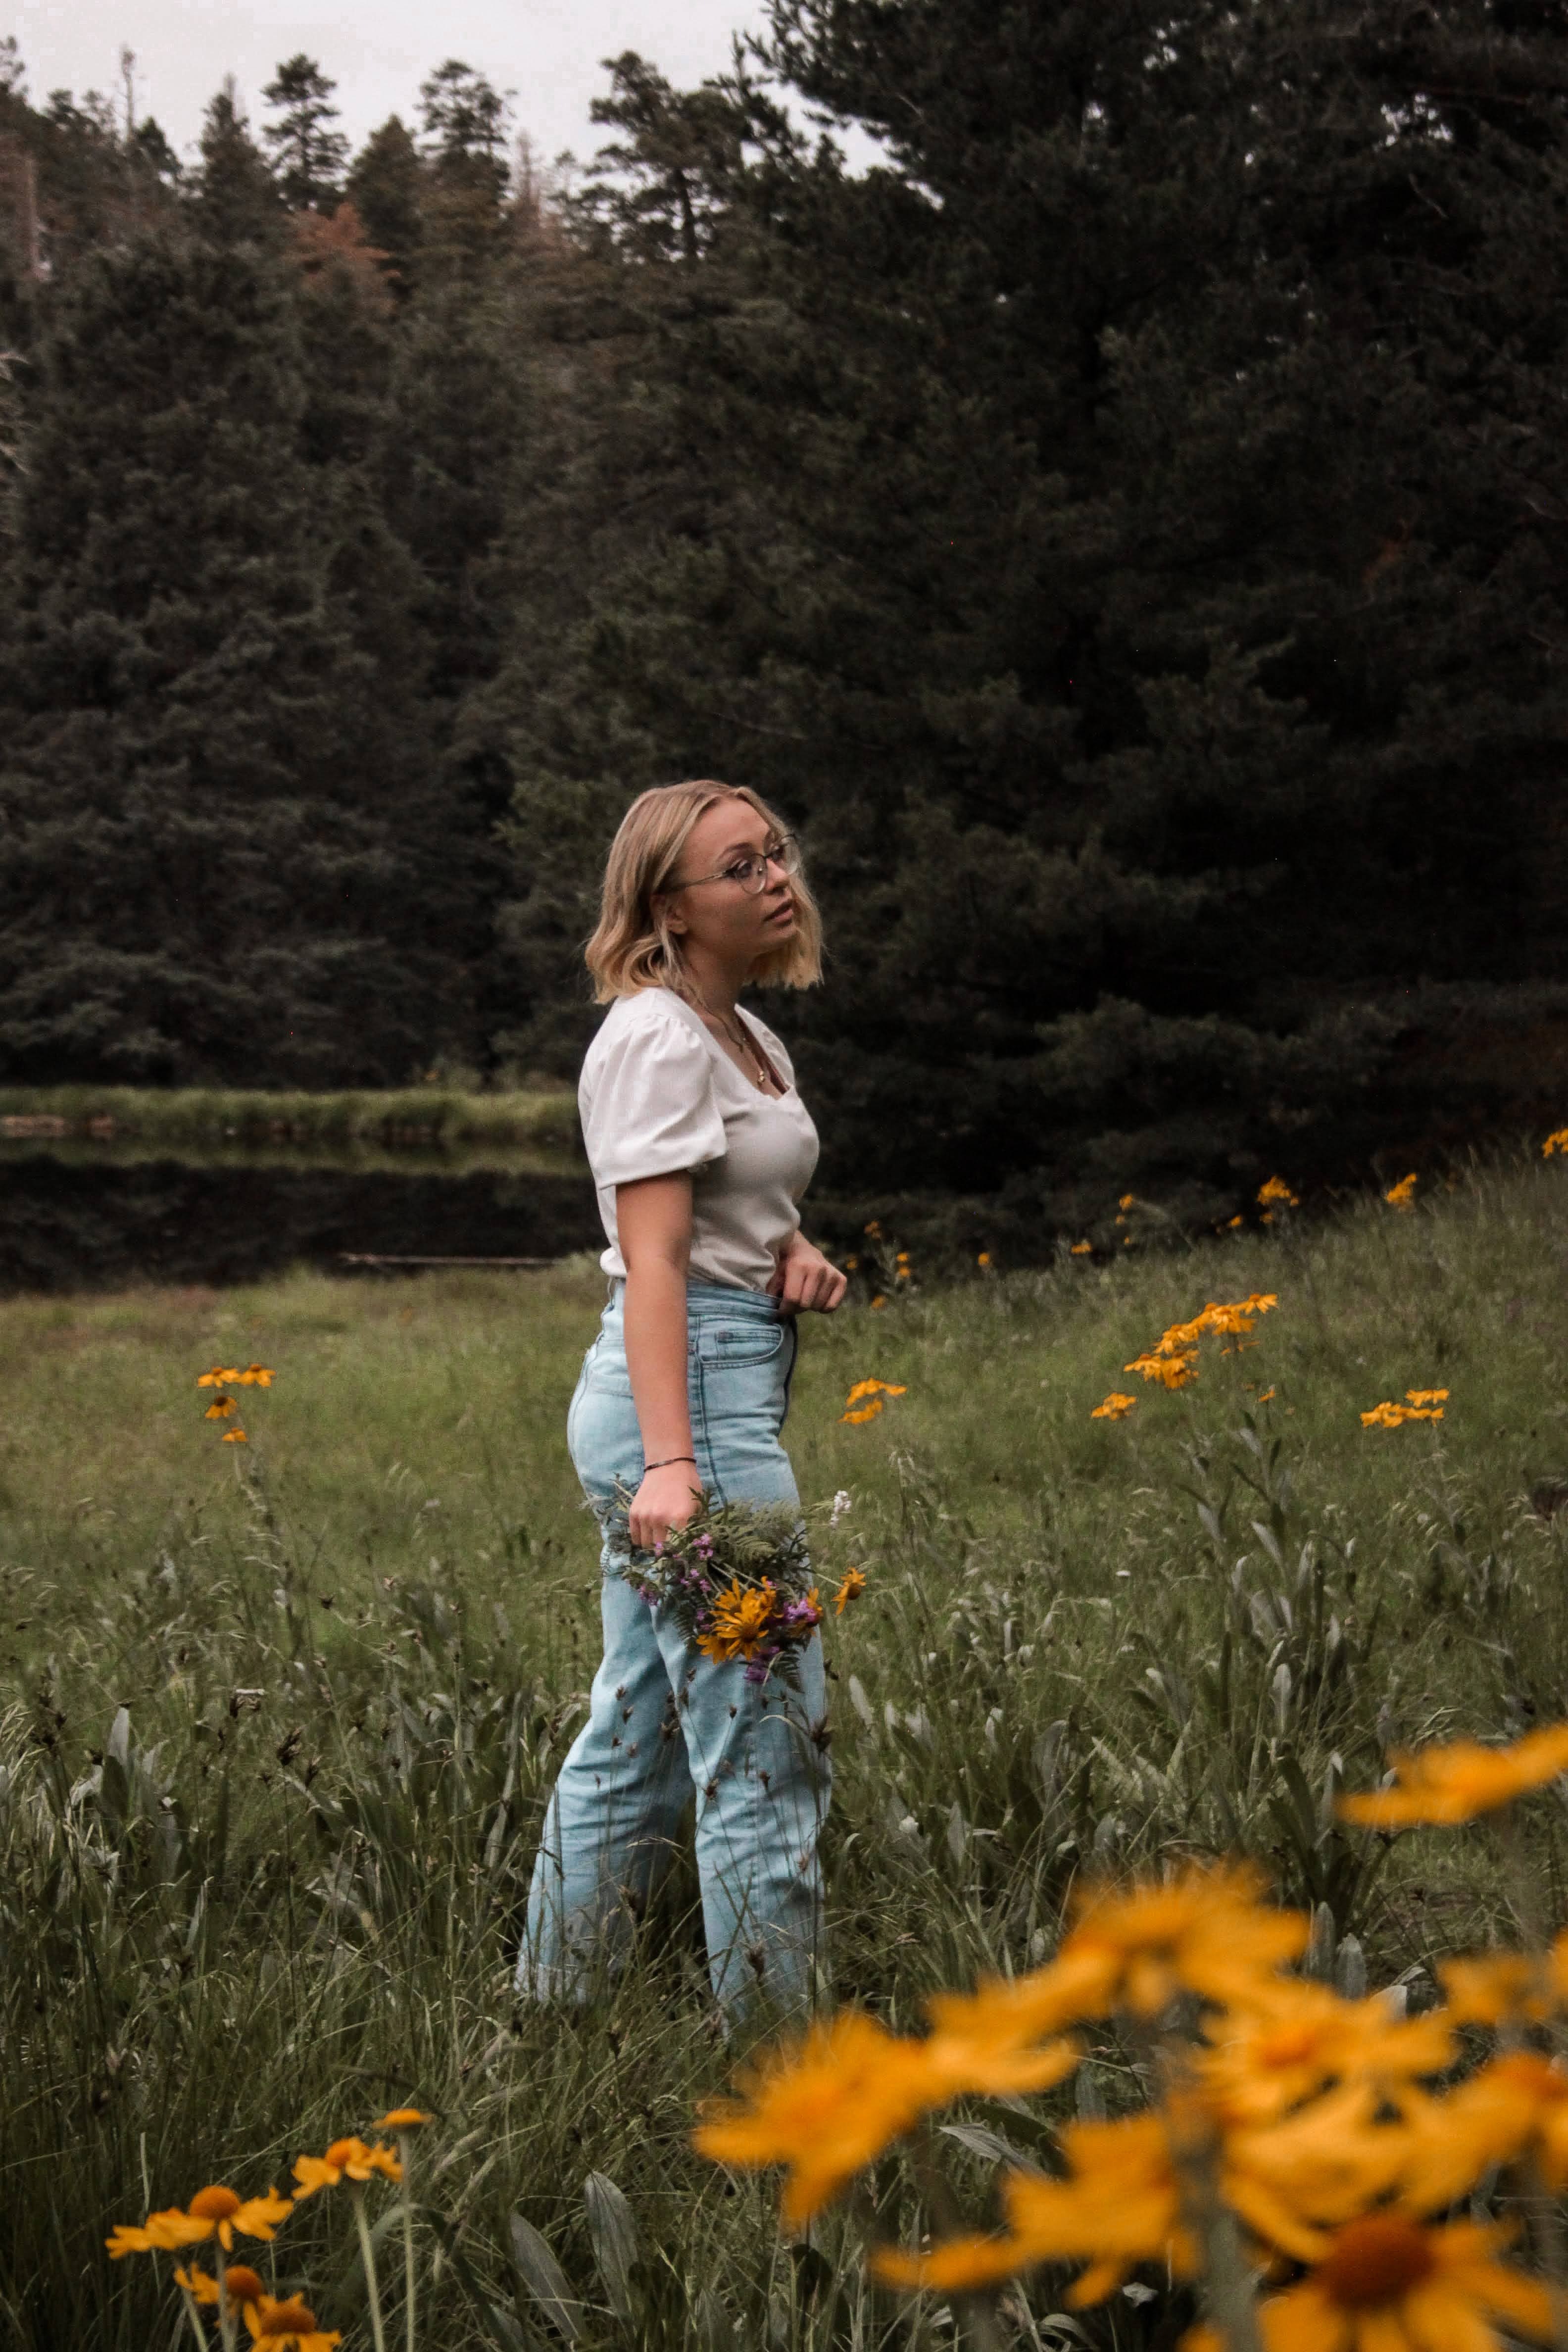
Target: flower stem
{"points": [[198, 2330], [367, 2256], [404, 2157]]}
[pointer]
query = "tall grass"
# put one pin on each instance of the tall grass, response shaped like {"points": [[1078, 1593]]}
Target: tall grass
{"points": [[278, 1745]]}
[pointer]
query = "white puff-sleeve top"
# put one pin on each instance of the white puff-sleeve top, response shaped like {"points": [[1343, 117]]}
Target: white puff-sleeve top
{"points": [[659, 1097]]}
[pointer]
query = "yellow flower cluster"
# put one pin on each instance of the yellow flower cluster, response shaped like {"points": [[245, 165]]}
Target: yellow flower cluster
{"points": [[219, 2214], [866, 1399], [1402, 1194], [1556, 1141], [1172, 1360], [224, 1376], [1420, 1404], [1277, 1194], [1296, 2138], [1116, 1407]]}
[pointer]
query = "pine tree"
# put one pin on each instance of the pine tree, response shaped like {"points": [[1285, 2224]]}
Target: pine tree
{"points": [[308, 155], [384, 186], [212, 797]]}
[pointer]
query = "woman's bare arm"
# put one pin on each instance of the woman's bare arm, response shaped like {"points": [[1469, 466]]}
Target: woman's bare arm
{"points": [[653, 1220]]}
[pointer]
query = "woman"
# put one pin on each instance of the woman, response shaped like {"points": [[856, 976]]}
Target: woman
{"points": [[701, 1149]]}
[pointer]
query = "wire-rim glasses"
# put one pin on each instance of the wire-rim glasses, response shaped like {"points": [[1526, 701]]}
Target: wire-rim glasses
{"points": [[751, 873]]}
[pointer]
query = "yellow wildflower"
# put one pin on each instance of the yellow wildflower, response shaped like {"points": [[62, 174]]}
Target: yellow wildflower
{"points": [[1443, 1786], [1120, 2205], [851, 1586], [346, 2159], [874, 1229], [1557, 1141], [741, 1621], [1081, 1249], [1171, 1371], [875, 1388], [199, 2284], [1402, 1195], [234, 1437], [1231, 1223], [1386, 2285], [1426, 1396], [1292, 2039], [1499, 1988], [878, 1301], [255, 1376], [984, 1258], [1128, 1201], [211, 2213], [825, 2109], [219, 1409], [222, 1376], [1116, 1407], [403, 2119], [1518, 2102], [1395, 1416], [279, 2324], [1205, 1932], [1276, 1189]]}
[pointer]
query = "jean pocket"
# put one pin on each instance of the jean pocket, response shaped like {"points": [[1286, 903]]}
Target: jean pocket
{"points": [[719, 1344]]}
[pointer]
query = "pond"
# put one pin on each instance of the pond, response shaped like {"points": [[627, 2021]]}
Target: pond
{"points": [[76, 1217]]}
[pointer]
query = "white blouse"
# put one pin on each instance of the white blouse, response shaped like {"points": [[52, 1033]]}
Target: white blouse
{"points": [[659, 1097]]}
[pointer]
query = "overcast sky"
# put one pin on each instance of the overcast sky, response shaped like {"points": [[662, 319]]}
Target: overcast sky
{"points": [[548, 51]]}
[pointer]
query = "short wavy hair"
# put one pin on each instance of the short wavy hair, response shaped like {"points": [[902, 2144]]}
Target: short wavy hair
{"points": [[632, 948]]}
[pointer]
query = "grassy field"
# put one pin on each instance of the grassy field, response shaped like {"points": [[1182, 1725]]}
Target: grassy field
{"points": [[276, 1753]]}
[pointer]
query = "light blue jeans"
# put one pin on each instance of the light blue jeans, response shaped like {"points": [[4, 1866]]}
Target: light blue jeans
{"points": [[663, 1719]]}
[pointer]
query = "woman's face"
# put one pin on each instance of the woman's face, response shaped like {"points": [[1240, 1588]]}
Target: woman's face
{"points": [[715, 911]]}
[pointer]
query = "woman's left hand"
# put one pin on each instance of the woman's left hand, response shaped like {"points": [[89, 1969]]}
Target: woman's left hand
{"points": [[804, 1281]]}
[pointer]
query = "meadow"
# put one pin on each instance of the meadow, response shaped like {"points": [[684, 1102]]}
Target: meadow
{"points": [[282, 1719]]}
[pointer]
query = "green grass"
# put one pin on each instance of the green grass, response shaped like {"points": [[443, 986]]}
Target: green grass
{"points": [[275, 1759], [295, 1127]]}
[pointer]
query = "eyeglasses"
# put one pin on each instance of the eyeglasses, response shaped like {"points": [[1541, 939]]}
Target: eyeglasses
{"points": [[751, 873]]}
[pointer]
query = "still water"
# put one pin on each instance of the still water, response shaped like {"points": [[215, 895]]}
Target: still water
{"points": [[75, 1221]]}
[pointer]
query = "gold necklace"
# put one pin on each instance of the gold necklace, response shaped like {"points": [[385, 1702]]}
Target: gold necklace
{"points": [[744, 1040]]}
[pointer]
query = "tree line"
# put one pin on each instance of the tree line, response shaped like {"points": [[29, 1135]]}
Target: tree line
{"points": [[1124, 528]]}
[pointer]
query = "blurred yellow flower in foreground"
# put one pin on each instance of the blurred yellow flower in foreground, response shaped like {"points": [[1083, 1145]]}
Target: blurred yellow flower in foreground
{"points": [[1120, 2205], [1276, 1191], [1402, 1194], [1420, 1404], [1116, 1407], [1206, 1931], [1557, 1141], [346, 2159], [1443, 1786], [211, 2213], [1389, 2286], [1082, 1249], [824, 2110], [1293, 2039], [403, 2119]]}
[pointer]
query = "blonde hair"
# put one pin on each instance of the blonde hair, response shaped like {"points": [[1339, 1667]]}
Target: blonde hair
{"points": [[632, 947]]}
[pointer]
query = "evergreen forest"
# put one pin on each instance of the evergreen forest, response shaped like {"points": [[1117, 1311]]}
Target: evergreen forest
{"points": [[1123, 528]]}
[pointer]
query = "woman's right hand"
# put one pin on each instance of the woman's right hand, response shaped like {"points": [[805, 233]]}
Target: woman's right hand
{"points": [[665, 1499]]}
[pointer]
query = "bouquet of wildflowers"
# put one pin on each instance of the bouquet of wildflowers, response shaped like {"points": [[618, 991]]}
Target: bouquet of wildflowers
{"points": [[737, 1580]]}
